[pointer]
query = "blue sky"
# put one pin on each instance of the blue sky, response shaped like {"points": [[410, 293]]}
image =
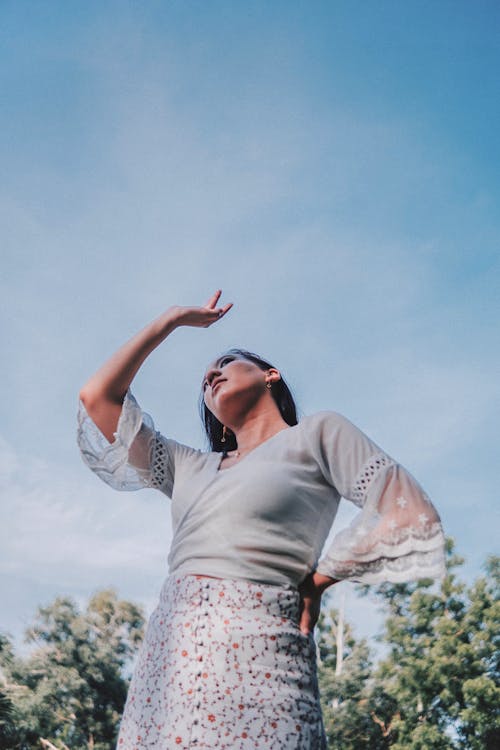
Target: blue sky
{"points": [[332, 166]]}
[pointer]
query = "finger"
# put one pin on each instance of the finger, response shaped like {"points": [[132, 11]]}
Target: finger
{"points": [[214, 299], [223, 310], [305, 622]]}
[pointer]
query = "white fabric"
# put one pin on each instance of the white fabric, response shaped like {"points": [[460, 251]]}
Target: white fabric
{"points": [[266, 518], [224, 665]]}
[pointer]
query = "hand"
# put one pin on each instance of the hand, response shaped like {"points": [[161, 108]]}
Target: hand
{"points": [[200, 317], [310, 590]]}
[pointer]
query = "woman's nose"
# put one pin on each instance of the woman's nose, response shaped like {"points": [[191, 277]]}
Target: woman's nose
{"points": [[212, 374]]}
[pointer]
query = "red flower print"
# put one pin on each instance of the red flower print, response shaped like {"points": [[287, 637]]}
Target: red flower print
{"points": [[176, 694]]}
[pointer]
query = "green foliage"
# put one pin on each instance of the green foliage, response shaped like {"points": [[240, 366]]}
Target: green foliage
{"points": [[72, 688], [441, 665], [438, 686], [7, 721], [345, 697]]}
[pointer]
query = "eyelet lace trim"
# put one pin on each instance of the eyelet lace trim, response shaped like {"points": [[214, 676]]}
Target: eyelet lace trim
{"points": [[159, 463], [110, 460], [371, 551], [373, 466]]}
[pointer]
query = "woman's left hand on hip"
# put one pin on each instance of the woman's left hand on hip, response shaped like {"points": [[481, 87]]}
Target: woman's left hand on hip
{"points": [[311, 590]]}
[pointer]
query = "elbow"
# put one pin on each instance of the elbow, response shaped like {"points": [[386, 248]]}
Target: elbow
{"points": [[89, 397], [85, 396]]}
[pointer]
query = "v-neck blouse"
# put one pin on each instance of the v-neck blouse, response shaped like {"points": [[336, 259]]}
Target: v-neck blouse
{"points": [[266, 518], [264, 442]]}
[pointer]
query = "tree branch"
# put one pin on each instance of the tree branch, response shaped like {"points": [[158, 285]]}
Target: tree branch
{"points": [[49, 746]]}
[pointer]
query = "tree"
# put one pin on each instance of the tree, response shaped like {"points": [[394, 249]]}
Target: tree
{"points": [[440, 679], [346, 692], [8, 716], [479, 714], [437, 687], [72, 688]]}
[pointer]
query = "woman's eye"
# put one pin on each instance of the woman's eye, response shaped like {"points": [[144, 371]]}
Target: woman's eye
{"points": [[222, 362]]}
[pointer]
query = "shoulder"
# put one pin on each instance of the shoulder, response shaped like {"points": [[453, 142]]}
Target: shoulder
{"points": [[167, 447], [331, 429], [324, 420], [322, 428]]}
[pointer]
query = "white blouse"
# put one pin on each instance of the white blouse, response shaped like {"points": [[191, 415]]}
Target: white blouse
{"points": [[266, 518]]}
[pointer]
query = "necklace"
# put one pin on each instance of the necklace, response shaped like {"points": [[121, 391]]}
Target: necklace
{"points": [[234, 454]]}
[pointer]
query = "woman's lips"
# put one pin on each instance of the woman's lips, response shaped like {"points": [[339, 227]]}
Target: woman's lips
{"points": [[218, 382]]}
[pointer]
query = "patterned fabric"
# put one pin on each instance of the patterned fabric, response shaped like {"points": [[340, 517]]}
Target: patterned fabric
{"points": [[224, 665]]}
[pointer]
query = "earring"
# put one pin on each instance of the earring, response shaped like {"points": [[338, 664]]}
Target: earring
{"points": [[269, 384], [223, 438]]}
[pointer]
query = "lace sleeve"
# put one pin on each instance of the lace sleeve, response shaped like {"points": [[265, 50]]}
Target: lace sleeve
{"points": [[397, 536], [138, 457]]}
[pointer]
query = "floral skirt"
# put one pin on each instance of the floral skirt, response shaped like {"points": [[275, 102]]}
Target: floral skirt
{"points": [[224, 665]]}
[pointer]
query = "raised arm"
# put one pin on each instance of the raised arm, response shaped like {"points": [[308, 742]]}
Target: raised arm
{"points": [[104, 393]]}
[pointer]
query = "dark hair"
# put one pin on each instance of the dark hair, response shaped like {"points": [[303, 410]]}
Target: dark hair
{"points": [[279, 391]]}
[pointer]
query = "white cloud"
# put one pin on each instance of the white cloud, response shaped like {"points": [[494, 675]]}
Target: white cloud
{"points": [[333, 231], [62, 533]]}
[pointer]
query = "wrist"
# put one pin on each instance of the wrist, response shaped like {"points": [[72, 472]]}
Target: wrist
{"points": [[168, 321], [322, 582], [314, 584]]}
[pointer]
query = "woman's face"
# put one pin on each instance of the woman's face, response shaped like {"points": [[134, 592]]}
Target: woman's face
{"points": [[232, 382]]}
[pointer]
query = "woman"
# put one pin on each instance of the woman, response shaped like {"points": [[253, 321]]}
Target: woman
{"points": [[228, 659]]}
